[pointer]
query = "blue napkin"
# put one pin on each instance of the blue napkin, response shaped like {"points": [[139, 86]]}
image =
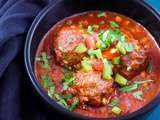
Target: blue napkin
{"points": [[18, 100]]}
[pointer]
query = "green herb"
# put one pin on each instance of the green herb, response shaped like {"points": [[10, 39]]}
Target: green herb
{"points": [[63, 103], [51, 91], [74, 104], [44, 60], [107, 70], [128, 47], [101, 22], [46, 81], [137, 95], [95, 26], [96, 53], [90, 29], [141, 82], [149, 68], [120, 80], [116, 110], [114, 102], [86, 65], [113, 50], [81, 48], [128, 88], [100, 45], [121, 48], [146, 88], [116, 60], [113, 24], [101, 14], [67, 80], [65, 96]]}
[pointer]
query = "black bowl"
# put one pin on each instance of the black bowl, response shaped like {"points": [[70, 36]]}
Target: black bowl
{"points": [[135, 9]]}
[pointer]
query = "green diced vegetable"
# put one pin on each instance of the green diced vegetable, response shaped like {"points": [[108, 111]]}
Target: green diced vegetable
{"points": [[51, 91], [67, 80], [128, 47], [101, 14], [44, 60], [81, 48], [141, 82], [120, 80], [74, 104], [113, 24], [128, 88], [101, 22], [138, 95], [107, 70], [149, 68], [113, 50], [46, 81], [114, 102], [63, 103], [65, 96], [90, 29], [116, 61], [121, 48], [116, 110], [96, 53], [146, 88], [95, 26], [86, 65], [100, 45]]}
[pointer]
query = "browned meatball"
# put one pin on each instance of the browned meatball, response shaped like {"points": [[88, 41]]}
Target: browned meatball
{"points": [[67, 40], [132, 63], [90, 88]]}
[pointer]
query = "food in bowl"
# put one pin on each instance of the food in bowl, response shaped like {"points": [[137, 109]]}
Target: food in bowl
{"points": [[98, 64]]}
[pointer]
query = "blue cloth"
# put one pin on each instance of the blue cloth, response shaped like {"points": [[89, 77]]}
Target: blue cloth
{"points": [[18, 101]]}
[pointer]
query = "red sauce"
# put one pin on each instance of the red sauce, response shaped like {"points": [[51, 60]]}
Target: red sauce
{"points": [[94, 93]]}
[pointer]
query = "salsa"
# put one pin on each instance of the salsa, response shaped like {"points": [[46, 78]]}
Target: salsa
{"points": [[99, 64]]}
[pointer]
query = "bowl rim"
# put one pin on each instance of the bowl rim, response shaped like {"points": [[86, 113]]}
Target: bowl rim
{"points": [[53, 103]]}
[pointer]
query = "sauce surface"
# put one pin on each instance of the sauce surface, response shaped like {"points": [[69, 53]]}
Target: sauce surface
{"points": [[99, 64]]}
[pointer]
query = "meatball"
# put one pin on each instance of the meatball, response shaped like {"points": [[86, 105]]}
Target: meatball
{"points": [[133, 62], [90, 88], [65, 43]]}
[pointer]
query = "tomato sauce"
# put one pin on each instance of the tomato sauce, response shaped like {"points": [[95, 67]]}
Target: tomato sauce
{"points": [[70, 65]]}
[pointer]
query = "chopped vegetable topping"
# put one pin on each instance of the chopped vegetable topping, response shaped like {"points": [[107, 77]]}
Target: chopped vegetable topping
{"points": [[149, 67], [46, 81], [100, 45], [90, 29], [95, 26], [67, 80], [120, 80], [121, 48], [101, 22], [96, 53], [65, 96], [43, 59], [113, 24], [114, 102], [86, 65], [116, 61], [107, 70], [116, 110], [137, 95], [128, 88], [141, 82], [113, 50], [146, 88], [51, 91], [81, 48], [74, 104], [128, 47], [101, 14]]}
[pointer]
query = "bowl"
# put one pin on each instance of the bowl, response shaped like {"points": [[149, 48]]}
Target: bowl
{"points": [[54, 12]]}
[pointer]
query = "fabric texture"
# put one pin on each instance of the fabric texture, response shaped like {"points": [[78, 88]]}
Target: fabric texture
{"points": [[18, 100]]}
